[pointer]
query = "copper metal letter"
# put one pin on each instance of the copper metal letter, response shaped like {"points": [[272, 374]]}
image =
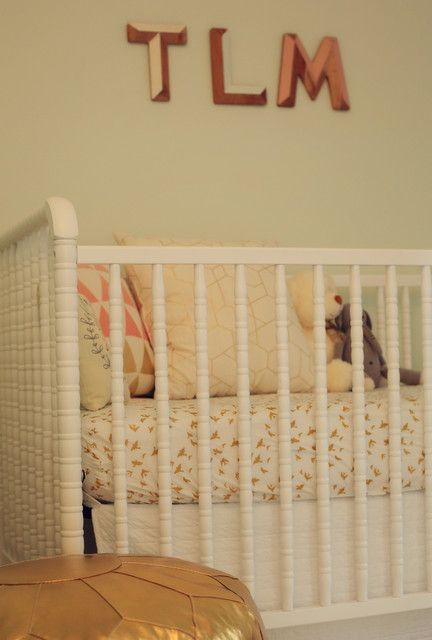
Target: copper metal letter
{"points": [[158, 37], [220, 96], [327, 65]]}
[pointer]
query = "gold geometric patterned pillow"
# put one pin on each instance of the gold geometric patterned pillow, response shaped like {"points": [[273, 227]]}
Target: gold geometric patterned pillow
{"points": [[95, 368], [179, 298], [138, 360]]}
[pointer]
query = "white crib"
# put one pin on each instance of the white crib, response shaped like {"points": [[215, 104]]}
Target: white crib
{"points": [[40, 446]]}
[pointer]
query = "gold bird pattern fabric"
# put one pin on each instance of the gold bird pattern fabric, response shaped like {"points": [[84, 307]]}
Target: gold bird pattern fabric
{"points": [[141, 447]]}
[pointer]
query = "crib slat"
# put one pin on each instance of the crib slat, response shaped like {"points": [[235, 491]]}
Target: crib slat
{"points": [[396, 514], [358, 412], [244, 429], [321, 421], [118, 411], [162, 408], [406, 328], [28, 397], [68, 398], [46, 391], [284, 443], [4, 410], [426, 295], [23, 504], [54, 411], [13, 426], [37, 395], [203, 406], [14, 454], [381, 324]]}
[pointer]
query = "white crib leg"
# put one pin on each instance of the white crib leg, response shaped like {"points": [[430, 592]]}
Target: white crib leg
{"points": [[23, 504], [244, 430], [360, 488], [286, 525], [54, 413], [396, 513], [37, 396], [426, 290], [68, 395], [203, 405], [47, 391], [4, 409], [162, 407], [13, 425], [28, 397], [321, 420], [14, 453], [118, 411], [406, 328]]}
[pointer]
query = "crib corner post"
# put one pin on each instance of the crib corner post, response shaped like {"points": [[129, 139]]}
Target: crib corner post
{"points": [[64, 231]]}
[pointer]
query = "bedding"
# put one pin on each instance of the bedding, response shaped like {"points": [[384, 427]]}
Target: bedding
{"points": [[141, 448], [179, 299], [143, 527]]}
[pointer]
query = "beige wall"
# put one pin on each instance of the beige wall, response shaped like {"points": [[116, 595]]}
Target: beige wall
{"points": [[76, 120]]}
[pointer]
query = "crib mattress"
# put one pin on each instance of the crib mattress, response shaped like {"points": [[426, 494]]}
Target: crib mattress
{"points": [[141, 448]]}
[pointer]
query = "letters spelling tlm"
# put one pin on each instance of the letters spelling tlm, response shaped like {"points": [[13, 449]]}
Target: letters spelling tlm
{"points": [[295, 64]]}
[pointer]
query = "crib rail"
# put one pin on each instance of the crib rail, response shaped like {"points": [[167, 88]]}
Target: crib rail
{"points": [[41, 497], [40, 420], [386, 285]]}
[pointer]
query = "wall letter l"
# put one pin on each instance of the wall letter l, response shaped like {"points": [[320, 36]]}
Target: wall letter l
{"points": [[220, 95]]}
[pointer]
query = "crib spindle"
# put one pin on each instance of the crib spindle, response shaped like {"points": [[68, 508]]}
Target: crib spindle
{"points": [[68, 398], [358, 412], [244, 429], [396, 521], [23, 504], [14, 439], [322, 460], [47, 391], [37, 396], [28, 397], [54, 403], [284, 443], [381, 323], [406, 329], [162, 408], [203, 406], [4, 409], [13, 426], [426, 296], [117, 410]]}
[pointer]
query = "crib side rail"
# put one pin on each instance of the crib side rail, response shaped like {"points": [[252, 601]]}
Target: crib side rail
{"points": [[386, 285], [41, 498]]}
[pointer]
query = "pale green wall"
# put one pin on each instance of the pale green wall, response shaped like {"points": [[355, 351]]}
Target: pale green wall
{"points": [[76, 120]]}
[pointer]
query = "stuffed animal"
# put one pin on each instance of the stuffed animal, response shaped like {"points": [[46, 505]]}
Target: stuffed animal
{"points": [[374, 363], [339, 372]]}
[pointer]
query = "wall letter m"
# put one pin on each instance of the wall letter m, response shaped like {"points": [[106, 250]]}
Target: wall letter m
{"points": [[327, 65]]}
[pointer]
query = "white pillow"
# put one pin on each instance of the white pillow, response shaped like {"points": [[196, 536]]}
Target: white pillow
{"points": [[179, 297]]}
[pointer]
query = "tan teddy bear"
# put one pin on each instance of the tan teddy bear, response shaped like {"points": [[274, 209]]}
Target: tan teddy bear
{"points": [[339, 375]]}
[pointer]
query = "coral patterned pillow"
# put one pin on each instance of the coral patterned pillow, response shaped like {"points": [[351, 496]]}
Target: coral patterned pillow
{"points": [[179, 299], [138, 361], [95, 365]]}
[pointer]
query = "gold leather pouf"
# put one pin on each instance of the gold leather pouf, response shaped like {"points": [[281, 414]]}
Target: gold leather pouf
{"points": [[100, 597]]}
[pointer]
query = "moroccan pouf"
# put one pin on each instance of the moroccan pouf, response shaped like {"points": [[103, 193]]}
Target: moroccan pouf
{"points": [[96, 597]]}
